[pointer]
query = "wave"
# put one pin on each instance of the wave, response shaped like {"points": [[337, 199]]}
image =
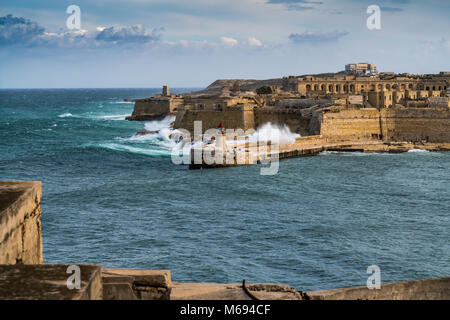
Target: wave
{"points": [[156, 125], [65, 115], [112, 117], [353, 153], [271, 131], [418, 150], [133, 150], [121, 102]]}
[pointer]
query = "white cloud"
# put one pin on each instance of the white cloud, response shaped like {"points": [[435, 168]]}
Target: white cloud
{"points": [[254, 42], [228, 42]]}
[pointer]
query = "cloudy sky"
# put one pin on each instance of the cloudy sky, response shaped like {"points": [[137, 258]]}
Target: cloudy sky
{"points": [[148, 43]]}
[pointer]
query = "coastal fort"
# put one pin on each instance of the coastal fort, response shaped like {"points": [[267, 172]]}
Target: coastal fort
{"points": [[358, 109], [355, 110]]}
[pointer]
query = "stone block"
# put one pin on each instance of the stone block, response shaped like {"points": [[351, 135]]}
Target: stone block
{"points": [[48, 282]]}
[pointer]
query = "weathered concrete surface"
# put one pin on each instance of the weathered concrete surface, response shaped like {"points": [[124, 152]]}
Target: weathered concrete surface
{"points": [[20, 222], [48, 282], [132, 284], [427, 289], [217, 291]]}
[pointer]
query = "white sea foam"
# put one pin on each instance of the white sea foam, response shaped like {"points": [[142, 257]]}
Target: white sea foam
{"points": [[134, 150], [270, 131], [418, 150], [65, 115], [121, 102], [156, 125], [112, 117], [353, 153]]}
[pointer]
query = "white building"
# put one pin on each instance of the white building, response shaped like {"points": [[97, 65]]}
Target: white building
{"points": [[361, 68]]}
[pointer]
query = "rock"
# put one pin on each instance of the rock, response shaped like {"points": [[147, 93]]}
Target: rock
{"points": [[144, 132]]}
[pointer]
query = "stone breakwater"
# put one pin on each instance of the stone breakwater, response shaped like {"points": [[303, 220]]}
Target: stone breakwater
{"points": [[262, 152]]}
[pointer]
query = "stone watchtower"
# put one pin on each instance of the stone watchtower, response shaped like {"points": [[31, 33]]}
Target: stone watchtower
{"points": [[165, 91]]}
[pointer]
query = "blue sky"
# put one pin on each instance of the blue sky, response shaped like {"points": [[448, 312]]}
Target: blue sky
{"points": [[148, 43]]}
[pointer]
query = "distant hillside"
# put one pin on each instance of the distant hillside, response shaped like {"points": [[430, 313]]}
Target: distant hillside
{"points": [[251, 84]]}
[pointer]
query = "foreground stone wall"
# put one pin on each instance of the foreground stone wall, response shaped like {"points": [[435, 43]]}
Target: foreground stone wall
{"points": [[427, 289], [20, 222], [49, 282]]}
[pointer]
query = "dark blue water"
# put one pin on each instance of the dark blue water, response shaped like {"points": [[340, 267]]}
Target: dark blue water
{"points": [[113, 199]]}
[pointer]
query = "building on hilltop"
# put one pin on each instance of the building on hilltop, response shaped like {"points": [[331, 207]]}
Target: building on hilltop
{"points": [[362, 68]]}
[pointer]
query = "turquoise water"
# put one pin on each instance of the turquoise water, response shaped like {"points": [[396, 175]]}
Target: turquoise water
{"points": [[113, 199]]}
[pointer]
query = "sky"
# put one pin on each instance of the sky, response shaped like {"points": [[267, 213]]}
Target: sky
{"points": [[150, 43]]}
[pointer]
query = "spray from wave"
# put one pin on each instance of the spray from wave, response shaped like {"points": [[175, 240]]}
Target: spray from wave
{"points": [[270, 131], [418, 151], [159, 138]]}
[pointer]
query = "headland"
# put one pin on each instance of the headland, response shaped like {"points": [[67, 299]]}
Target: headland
{"points": [[346, 111]]}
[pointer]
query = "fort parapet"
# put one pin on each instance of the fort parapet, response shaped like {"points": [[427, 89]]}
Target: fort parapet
{"points": [[24, 277], [20, 222]]}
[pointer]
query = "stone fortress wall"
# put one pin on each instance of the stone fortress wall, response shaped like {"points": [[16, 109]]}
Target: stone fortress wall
{"points": [[20, 222], [389, 124]]}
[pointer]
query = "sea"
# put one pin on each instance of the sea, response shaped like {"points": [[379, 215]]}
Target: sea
{"points": [[116, 199]]}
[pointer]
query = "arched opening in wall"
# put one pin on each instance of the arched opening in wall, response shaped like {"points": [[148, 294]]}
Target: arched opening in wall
{"points": [[395, 86], [439, 88], [380, 87], [372, 87], [308, 87], [352, 88], [410, 86], [427, 88], [434, 88], [316, 87], [388, 87], [345, 88], [338, 88], [322, 87], [330, 88], [403, 87]]}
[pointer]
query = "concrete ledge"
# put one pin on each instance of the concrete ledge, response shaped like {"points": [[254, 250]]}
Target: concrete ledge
{"points": [[131, 284], [427, 289], [48, 282], [234, 291], [154, 278]]}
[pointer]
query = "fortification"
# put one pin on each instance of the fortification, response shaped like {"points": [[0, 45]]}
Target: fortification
{"points": [[20, 222]]}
